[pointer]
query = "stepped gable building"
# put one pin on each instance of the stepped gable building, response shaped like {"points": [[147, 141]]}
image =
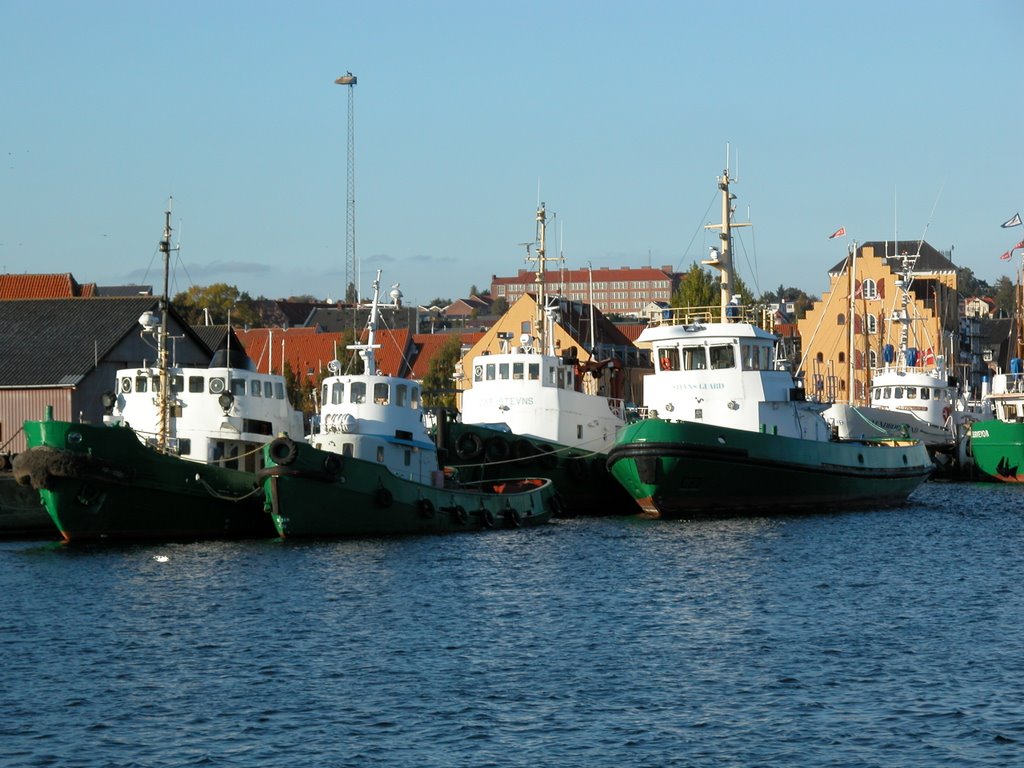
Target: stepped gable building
{"points": [[828, 332], [621, 291]]}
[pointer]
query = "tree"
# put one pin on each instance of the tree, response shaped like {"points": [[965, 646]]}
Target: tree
{"points": [[699, 288], [801, 300], [500, 306], [969, 285], [351, 295], [1005, 296], [218, 302], [438, 383], [437, 301]]}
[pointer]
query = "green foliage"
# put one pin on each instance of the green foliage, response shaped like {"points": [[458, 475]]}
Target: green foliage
{"points": [[439, 302], [1005, 296], [968, 285], [220, 300], [500, 306], [700, 288], [801, 300], [438, 385], [351, 295]]}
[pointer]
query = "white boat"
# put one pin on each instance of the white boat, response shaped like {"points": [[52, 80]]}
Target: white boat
{"points": [[371, 468], [529, 405], [728, 431]]}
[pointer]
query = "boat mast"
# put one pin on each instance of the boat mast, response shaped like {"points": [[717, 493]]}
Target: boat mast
{"points": [[722, 258], [544, 338], [852, 326], [163, 397], [366, 351]]}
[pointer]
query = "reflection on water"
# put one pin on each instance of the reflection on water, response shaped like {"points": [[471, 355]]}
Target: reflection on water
{"points": [[874, 638]]}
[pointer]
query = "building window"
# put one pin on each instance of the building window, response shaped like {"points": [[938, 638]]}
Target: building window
{"points": [[872, 322], [868, 289]]}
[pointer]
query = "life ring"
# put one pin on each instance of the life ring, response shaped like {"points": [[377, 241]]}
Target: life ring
{"points": [[383, 497], [333, 464], [945, 413], [460, 515], [426, 508], [496, 449], [283, 450], [577, 467], [512, 518], [548, 459], [469, 446], [486, 517]]}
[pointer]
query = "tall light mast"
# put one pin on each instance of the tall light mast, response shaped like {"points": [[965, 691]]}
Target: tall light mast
{"points": [[351, 271]]}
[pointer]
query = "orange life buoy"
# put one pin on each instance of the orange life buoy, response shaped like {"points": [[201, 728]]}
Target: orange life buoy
{"points": [[666, 364]]}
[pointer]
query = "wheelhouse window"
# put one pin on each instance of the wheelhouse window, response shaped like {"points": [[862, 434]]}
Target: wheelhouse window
{"points": [[401, 395], [268, 389], [337, 393], [414, 401], [238, 387], [517, 370], [503, 371], [722, 357], [534, 371], [279, 390], [196, 384], [380, 393], [490, 371], [255, 388], [357, 393], [141, 383], [478, 373], [668, 359], [177, 383], [694, 359]]}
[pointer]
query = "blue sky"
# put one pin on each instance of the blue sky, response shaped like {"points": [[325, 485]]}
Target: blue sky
{"points": [[888, 118]]}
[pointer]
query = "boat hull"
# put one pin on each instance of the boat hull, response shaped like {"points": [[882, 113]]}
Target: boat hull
{"points": [[101, 483], [683, 469], [584, 484], [998, 450], [313, 493]]}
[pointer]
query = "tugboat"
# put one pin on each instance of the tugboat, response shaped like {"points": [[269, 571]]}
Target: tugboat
{"points": [[727, 431], [370, 467], [176, 456], [528, 409]]}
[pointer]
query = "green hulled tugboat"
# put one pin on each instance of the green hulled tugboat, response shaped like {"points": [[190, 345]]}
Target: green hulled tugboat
{"points": [[177, 455], [370, 467], [727, 430]]}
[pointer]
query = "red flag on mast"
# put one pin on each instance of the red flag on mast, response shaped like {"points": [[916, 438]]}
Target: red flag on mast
{"points": [[838, 233]]}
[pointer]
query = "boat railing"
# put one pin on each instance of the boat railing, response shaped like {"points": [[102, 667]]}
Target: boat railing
{"points": [[755, 314], [1014, 383], [914, 369]]}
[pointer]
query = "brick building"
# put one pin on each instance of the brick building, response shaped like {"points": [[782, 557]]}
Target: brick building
{"points": [[621, 291]]}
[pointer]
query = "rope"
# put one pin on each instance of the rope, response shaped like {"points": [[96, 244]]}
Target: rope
{"points": [[221, 496], [11, 438]]}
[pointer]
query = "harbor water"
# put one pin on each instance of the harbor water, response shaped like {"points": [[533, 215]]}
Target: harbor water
{"points": [[874, 638]]}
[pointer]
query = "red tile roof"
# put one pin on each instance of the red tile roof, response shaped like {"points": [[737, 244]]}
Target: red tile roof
{"points": [[427, 345], [55, 286]]}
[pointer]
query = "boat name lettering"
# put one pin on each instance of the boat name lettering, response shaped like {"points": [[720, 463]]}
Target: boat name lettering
{"points": [[509, 401], [701, 385], [980, 433]]}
